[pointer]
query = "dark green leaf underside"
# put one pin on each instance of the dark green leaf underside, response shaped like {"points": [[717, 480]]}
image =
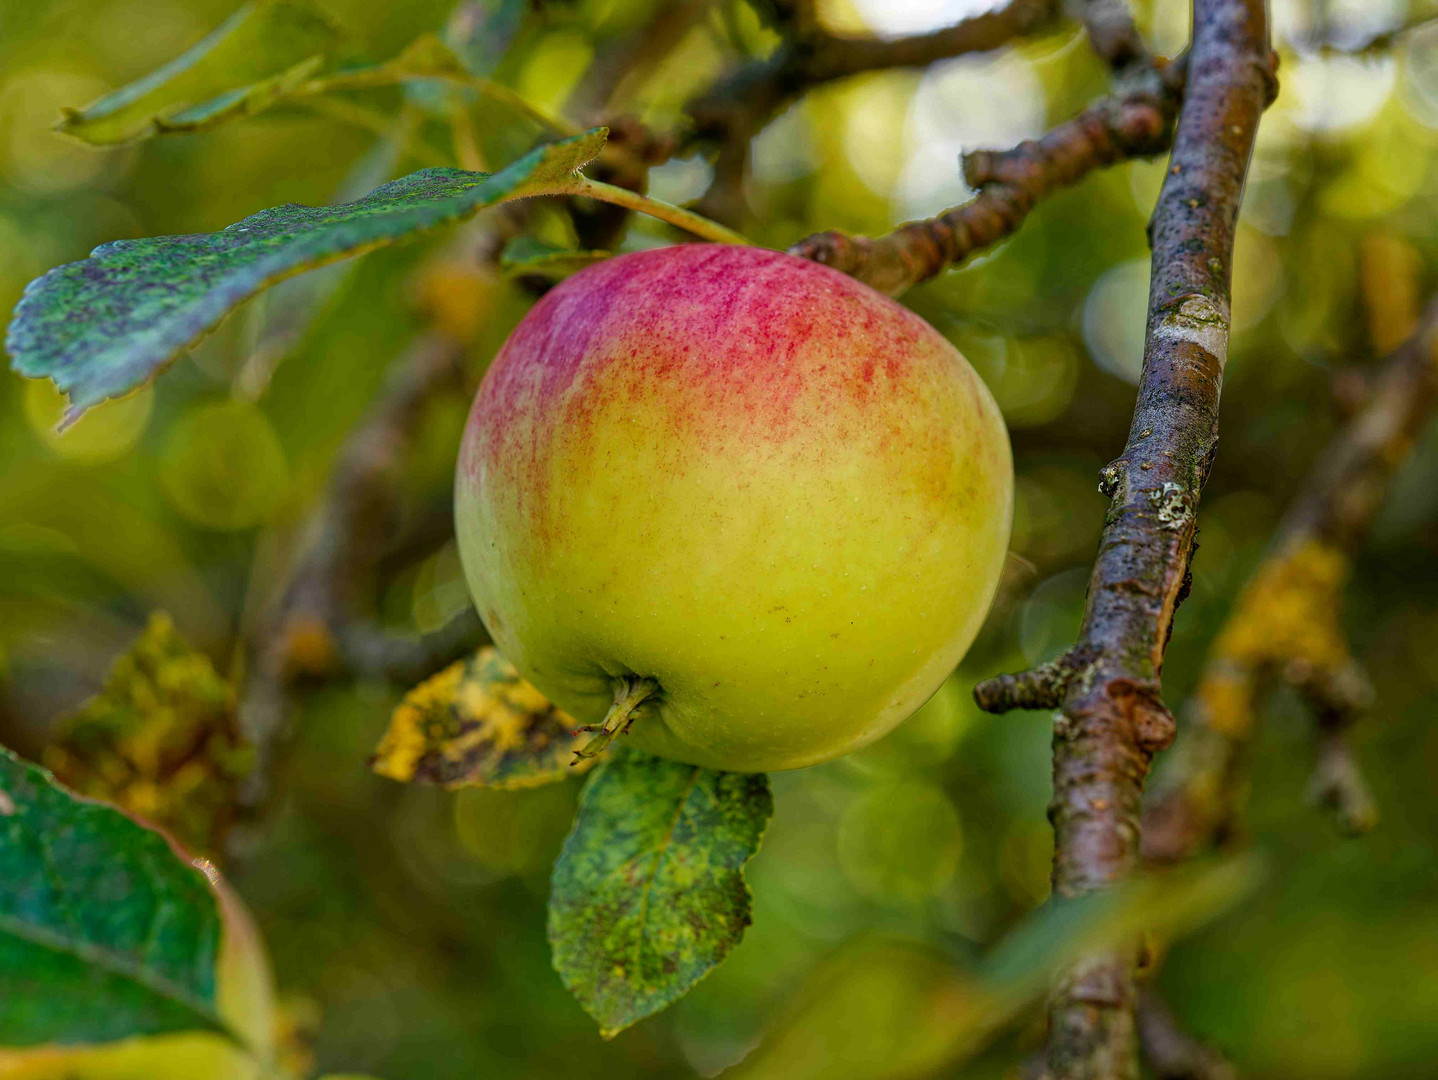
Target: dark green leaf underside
{"points": [[648, 894], [105, 932], [255, 57], [104, 326]]}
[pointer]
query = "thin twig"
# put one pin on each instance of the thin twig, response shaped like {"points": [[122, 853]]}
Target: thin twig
{"points": [[1170, 1052], [736, 107], [605, 87], [1110, 31], [1113, 720], [370, 649], [1010, 183], [1330, 40], [1285, 622]]}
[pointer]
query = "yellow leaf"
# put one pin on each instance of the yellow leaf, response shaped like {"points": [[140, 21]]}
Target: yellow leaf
{"points": [[160, 740], [478, 722]]}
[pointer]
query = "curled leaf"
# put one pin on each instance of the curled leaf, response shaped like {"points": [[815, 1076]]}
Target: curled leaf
{"points": [[648, 894], [478, 722]]}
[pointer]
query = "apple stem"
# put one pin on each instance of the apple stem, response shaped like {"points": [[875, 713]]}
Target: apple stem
{"points": [[630, 692]]}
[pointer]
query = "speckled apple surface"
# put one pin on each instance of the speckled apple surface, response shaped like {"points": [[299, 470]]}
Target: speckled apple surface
{"points": [[780, 494]]}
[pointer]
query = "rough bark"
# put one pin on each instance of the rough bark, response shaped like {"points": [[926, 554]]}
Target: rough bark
{"points": [[1112, 718]]}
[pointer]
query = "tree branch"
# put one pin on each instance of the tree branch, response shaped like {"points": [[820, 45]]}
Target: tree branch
{"points": [[1010, 183], [1113, 720], [1170, 1052], [604, 87], [1111, 32], [1328, 39], [1285, 621], [370, 649], [737, 106], [346, 538], [823, 57]]}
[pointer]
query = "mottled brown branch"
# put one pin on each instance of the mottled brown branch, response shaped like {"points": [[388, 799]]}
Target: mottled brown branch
{"points": [[1338, 699], [1043, 687], [1113, 721], [1111, 31], [299, 636], [737, 106], [1170, 1052], [1284, 623], [1010, 183]]}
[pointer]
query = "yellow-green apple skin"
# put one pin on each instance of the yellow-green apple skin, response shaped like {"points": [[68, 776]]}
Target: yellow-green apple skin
{"points": [[244, 999], [780, 495]]}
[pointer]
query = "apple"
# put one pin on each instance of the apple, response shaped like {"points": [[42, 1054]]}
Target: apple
{"points": [[735, 499], [244, 992]]}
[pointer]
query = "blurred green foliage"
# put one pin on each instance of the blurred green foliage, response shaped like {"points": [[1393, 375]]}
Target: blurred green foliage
{"points": [[414, 918]]}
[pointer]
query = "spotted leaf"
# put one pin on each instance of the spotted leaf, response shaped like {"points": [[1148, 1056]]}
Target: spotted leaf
{"points": [[648, 894], [478, 722]]}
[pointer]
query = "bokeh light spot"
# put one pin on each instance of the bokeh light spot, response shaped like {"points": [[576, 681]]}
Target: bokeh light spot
{"points": [[900, 842], [224, 467], [104, 433], [1113, 319]]}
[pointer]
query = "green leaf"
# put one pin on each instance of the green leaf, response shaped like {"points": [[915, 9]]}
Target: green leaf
{"points": [[105, 325], [260, 54], [922, 1014], [105, 932], [478, 723], [903, 1007], [524, 255], [426, 57], [649, 894], [1167, 903]]}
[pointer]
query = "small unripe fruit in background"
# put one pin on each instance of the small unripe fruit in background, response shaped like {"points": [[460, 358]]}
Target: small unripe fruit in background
{"points": [[734, 499], [244, 991]]}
